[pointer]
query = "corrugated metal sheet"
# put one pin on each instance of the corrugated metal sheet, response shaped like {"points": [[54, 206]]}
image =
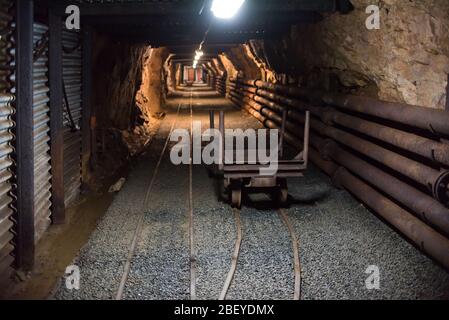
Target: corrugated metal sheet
{"points": [[72, 66], [42, 166], [6, 137]]}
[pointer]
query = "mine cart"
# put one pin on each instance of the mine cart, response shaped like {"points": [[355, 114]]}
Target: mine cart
{"points": [[247, 175]]}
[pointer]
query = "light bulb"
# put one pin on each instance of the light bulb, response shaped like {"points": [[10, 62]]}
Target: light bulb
{"points": [[198, 54], [226, 9]]}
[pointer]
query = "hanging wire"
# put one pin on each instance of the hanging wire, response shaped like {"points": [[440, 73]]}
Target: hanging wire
{"points": [[203, 41]]}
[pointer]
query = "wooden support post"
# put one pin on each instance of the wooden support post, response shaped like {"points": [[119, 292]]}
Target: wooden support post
{"points": [[88, 136], [56, 118], [24, 135]]}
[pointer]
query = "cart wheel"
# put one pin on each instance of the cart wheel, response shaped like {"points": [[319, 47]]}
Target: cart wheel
{"points": [[236, 195], [283, 193], [227, 183]]}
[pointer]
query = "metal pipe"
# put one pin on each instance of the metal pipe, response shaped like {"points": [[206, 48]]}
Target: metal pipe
{"points": [[425, 206], [433, 120], [428, 148], [431, 149], [427, 239], [419, 172]]}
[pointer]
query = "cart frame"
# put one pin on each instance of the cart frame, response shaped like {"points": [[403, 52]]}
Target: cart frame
{"points": [[238, 177]]}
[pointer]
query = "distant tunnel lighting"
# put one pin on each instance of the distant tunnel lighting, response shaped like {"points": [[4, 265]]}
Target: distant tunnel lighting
{"points": [[226, 9], [198, 54]]}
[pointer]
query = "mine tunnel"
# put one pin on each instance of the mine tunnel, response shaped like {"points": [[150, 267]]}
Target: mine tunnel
{"points": [[110, 109]]}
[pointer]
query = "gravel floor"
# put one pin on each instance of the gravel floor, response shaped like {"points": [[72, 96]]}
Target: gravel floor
{"points": [[215, 233], [265, 267], [160, 268], [101, 261], [339, 239]]}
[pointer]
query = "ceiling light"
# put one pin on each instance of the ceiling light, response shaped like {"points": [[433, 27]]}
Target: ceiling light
{"points": [[226, 9], [198, 54]]}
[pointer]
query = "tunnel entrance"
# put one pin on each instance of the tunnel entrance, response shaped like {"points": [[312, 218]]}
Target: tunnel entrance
{"points": [[160, 152]]}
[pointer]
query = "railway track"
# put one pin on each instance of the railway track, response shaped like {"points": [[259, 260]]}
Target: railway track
{"points": [[239, 238], [193, 255], [138, 230], [235, 256], [295, 247], [191, 234]]}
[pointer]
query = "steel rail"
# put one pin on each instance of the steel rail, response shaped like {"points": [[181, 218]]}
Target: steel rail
{"points": [[296, 259], [235, 256], [193, 255]]}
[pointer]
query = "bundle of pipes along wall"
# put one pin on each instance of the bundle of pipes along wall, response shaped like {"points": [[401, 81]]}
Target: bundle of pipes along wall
{"points": [[220, 85], [400, 170]]}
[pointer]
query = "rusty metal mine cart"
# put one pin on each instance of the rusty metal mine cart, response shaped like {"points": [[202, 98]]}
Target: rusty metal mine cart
{"points": [[239, 176]]}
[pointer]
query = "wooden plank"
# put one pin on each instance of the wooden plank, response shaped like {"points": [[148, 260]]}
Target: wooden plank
{"points": [[56, 118], [120, 9], [251, 19], [24, 135], [193, 7]]}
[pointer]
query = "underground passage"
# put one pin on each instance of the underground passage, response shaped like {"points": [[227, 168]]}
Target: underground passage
{"points": [[224, 150]]}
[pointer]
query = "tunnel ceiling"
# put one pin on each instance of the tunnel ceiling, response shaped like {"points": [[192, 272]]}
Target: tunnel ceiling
{"points": [[181, 24]]}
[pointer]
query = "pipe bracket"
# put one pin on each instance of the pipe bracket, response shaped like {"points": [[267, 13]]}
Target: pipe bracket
{"points": [[441, 188]]}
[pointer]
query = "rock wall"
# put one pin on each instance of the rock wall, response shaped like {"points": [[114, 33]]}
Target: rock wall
{"points": [[243, 62], [218, 66], [117, 76], [170, 70], [257, 60], [254, 51], [150, 97], [128, 83], [228, 65], [406, 60]]}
